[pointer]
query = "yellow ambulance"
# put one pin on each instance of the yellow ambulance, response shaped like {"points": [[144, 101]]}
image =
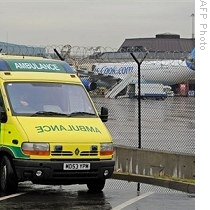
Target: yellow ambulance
{"points": [[50, 132]]}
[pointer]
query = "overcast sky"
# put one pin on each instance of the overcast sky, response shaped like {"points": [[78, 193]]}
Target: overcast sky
{"points": [[105, 23]]}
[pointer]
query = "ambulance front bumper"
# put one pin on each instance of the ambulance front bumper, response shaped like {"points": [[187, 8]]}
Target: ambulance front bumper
{"points": [[55, 172]]}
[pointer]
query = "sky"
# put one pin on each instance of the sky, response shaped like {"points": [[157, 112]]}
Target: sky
{"points": [[87, 23]]}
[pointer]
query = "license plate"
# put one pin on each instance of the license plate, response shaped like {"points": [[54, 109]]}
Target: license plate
{"points": [[76, 166]]}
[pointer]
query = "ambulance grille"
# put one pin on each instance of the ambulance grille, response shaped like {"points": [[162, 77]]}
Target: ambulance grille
{"points": [[69, 153], [61, 153], [89, 153]]}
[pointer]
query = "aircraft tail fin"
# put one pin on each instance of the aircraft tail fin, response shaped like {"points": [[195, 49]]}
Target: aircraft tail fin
{"points": [[190, 61]]}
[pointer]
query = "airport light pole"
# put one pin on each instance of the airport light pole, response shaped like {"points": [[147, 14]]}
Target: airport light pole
{"points": [[193, 25]]}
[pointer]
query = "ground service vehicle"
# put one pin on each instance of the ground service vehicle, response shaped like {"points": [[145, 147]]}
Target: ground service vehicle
{"points": [[51, 132]]}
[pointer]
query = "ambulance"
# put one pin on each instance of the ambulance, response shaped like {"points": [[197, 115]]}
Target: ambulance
{"points": [[50, 130]]}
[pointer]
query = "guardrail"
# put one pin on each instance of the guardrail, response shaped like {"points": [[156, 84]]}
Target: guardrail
{"points": [[171, 170]]}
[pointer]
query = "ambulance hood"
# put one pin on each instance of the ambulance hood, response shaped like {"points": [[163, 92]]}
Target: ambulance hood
{"points": [[57, 129]]}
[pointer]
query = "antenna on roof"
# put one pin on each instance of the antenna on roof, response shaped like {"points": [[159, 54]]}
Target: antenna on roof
{"points": [[58, 54]]}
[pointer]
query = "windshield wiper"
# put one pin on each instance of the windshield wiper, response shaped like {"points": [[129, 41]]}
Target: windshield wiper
{"points": [[47, 113], [80, 114]]}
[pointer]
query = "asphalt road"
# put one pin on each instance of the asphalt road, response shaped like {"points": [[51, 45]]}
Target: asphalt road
{"points": [[116, 195]]}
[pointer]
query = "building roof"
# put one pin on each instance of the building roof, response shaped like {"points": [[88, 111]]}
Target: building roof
{"points": [[163, 46], [162, 43]]}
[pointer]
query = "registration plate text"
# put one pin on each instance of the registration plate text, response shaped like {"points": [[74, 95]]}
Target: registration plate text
{"points": [[76, 166]]}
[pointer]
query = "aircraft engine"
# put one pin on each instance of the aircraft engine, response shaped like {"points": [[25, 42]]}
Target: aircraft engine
{"points": [[88, 84]]}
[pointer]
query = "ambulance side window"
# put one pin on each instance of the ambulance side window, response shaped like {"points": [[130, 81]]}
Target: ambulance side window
{"points": [[1, 101], [3, 116]]}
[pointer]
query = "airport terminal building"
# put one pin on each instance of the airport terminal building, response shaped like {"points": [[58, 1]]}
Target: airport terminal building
{"points": [[163, 46], [161, 43]]}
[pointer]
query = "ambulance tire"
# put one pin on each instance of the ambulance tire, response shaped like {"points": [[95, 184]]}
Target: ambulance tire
{"points": [[8, 178], [96, 186]]}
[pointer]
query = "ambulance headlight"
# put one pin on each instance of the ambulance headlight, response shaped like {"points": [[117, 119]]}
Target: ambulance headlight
{"points": [[106, 149], [35, 148]]}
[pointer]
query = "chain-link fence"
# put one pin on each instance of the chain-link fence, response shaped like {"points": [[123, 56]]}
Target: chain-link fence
{"points": [[167, 124]]}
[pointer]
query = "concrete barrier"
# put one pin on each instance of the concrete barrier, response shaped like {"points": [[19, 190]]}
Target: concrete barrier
{"points": [[167, 169]]}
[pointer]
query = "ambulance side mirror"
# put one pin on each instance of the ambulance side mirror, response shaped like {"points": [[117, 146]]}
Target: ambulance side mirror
{"points": [[104, 114], [3, 116]]}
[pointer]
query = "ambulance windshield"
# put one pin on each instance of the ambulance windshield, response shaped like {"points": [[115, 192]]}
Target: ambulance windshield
{"points": [[47, 99]]}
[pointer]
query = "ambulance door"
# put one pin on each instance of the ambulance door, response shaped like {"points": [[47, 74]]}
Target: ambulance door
{"points": [[3, 120]]}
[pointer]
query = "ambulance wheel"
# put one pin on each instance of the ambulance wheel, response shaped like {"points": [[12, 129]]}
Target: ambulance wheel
{"points": [[8, 178], [96, 186]]}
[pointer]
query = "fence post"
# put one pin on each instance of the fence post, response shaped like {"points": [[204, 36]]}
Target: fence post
{"points": [[139, 102]]}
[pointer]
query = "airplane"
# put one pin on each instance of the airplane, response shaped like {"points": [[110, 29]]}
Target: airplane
{"points": [[166, 72]]}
